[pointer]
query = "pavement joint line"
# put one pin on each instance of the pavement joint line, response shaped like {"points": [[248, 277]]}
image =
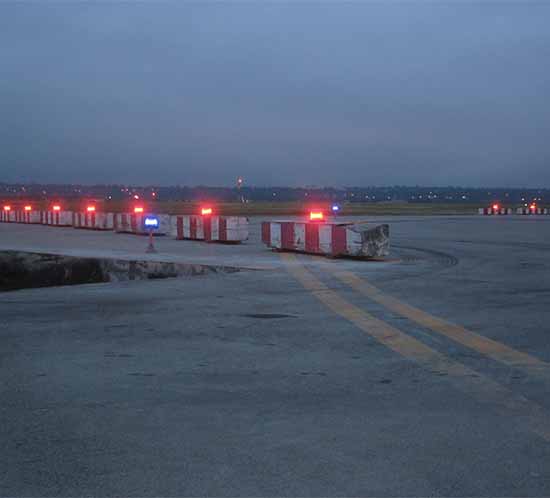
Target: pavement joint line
{"points": [[470, 382], [484, 345]]}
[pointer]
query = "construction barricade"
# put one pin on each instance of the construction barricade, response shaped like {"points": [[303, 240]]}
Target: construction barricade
{"points": [[28, 216], [94, 220], [330, 239], [7, 215], [231, 229], [133, 223], [57, 218], [532, 210], [495, 211]]}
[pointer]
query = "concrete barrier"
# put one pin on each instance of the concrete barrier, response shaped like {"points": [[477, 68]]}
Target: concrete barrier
{"points": [[494, 212], [133, 223], [330, 239], [93, 220], [7, 216], [232, 229], [57, 218], [27, 216], [531, 211]]}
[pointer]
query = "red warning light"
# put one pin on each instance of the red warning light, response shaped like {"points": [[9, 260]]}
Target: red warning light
{"points": [[138, 210], [206, 211], [7, 208], [57, 208], [495, 207], [533, 206], [28, 208], [90, 209], [316, 216]]}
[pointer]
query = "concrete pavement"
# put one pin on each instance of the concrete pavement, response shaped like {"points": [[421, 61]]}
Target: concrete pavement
{"points": [[424, 375]]}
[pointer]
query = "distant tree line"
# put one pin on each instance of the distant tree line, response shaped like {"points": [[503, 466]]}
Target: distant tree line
{"points": [[396, 193]]}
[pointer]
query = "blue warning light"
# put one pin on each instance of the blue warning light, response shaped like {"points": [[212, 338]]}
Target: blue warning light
{"points": [[151, 223], [335, 208]]}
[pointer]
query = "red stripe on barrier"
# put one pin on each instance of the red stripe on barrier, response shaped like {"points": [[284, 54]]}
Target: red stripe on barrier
{"points": [[207, 224], [179, 228], [287, 235], [133, 222], [56, 218], [192, 227], [222, 229], [339, 242], [266, 232], [92, 221], [312, 237]]}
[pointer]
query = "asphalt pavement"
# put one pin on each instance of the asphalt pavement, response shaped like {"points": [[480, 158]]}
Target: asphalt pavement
{"points": [[424, 375]]}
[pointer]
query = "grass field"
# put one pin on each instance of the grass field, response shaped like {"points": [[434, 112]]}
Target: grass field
{"points": [[264, 208]]}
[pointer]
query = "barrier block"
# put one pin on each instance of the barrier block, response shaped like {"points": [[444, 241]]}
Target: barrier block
{"points": [[531, 211], [232, 229], [489, 211], [57, 218], [330, 239], [7, 216], [133, 223], [94, 220], [27, 217]]}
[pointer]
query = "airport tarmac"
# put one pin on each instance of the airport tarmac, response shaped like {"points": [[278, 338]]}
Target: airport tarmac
{"points": [[425, 375]]}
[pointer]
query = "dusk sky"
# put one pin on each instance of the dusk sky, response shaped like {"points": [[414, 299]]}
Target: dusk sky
{"points": [[305, 93]]}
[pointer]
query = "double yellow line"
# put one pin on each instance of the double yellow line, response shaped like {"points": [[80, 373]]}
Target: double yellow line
{"points": [[463, 378]]}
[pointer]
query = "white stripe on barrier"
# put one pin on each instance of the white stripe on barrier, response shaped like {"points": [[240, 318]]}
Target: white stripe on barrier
{"points": [[325, 238]]}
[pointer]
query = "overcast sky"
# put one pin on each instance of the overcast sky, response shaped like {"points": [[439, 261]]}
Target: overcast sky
{"points": [[329, 93]]}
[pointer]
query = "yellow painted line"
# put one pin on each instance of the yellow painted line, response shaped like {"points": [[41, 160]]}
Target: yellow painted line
{"points": [[489, 347], [463, 378]]}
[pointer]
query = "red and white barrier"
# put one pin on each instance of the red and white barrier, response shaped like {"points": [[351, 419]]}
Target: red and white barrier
{"points": [[7, 216], [495, 211], [531, 210], [331, 239], [94, 220], [133, 223], [210, 228], [57, 218], [28, 217]]}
